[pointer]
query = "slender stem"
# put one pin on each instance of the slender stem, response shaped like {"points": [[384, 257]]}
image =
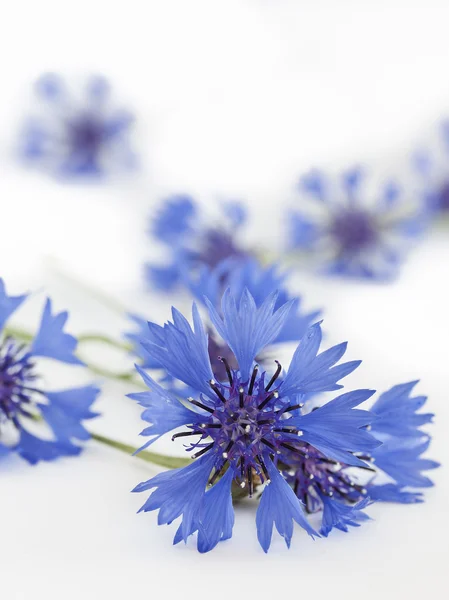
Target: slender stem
{"points": [[170, 462], [104, 339], [127, 376]]}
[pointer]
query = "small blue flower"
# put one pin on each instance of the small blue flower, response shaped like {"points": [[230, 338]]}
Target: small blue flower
{"points": [[325, 481], [247, 426], [352, 237], [193, 242], [76, 137], [24, 400]]}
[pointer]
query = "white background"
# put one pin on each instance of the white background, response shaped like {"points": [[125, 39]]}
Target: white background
{"points": [[233, 98]]}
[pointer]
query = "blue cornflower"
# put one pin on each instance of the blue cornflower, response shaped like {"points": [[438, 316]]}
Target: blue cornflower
{"points": [[340, 491], [352, 237], [77, 137], [191, 241], [245, 427], [433, 181], [260, 281], [25, 403]]}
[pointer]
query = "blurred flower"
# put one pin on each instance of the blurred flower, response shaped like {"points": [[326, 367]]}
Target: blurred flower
{"points": [[191, 241], [340, 491], [26, 405], [350, 237], [238, 275], [76, 137], [247, 426]]}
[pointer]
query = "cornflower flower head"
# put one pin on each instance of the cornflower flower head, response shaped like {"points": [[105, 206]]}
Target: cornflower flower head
{"points": [[349, 235], [192, 241], [77, 137], [26, 405], [244, 428], [391, 472]]}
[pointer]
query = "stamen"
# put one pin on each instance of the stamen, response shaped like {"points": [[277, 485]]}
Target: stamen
{"points": [[203, 406], [288, 446], [249, 472], [241, 397], [227, 367], [266, 422], [203, 451], [267, 399], [290, 408], [264, 467], [217, 473], [185, 434], [253, 379], [210, 425], [228, 447], [275, 376], [269, 444], [292, 430], [213, 385]]}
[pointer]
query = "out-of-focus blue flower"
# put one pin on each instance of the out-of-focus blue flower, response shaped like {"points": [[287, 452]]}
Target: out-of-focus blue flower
{"points": [[72, 137], [246, 427], [347, 234], [260, 281], [26, 406], [191, 241], [384, 474]]}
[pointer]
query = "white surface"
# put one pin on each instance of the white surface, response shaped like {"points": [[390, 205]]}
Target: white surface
{"points": [[232, 97]]}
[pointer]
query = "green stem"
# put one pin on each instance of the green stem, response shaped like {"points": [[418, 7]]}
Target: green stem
{"points": [[170, 462], [127, 377], [104, 339]]}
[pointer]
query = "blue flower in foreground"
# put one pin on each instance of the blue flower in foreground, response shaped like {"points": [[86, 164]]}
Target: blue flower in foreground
{"points": [[191, 241], [25, 404], [77, 137], [244, 428], [352, 237], [340, 491]]}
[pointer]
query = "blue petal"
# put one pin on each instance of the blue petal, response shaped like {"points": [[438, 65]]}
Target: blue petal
{"points": [[391, 492], [67, 409], [33, 449], [179, 492], [246, 328], [303, 232], [174, 220], [162, 409], [340, 516], [314, 183], [216, 519], [184, 353], [311, 373], [236, 213], [8, 304], [397, 414], [163, 278], [279, 506], [143, 333], [337, 429], [401, 460], [51, 341]]}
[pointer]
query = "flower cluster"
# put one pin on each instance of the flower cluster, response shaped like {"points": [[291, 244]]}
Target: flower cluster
{"points": [[28, 410], [251, 428], [76, 137]]}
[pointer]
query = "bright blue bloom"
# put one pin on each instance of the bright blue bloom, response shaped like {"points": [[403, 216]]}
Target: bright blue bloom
{"points": [[246, 426], [352, 237], [193, 242], [76, 137], [24, 399], [321, 478]]}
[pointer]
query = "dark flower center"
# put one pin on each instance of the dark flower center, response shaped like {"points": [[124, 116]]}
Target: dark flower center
{"points": [[16, 381], [310, 474], [86, 135], [353, 229], [246, 424], [443, 198], [218, 245]]}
